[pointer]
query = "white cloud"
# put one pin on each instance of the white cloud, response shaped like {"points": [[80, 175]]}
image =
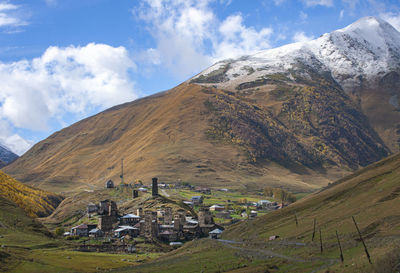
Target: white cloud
{"points": [[64, 81], [9, 15], [341, 14], [392, 18], [303, 16], [13, 141], [189, 36], [279, 2], [311, 3], [351, 5], [300, 36], [238, 39]]}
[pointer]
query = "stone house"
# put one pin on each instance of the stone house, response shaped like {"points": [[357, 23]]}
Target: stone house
{"points": [[109, 184], [197, 200], [129, 219], [215, 234]]}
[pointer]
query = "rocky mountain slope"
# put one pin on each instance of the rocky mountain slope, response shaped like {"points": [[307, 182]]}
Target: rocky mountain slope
{"points": [[297, 116], [6, 156], [362, 60]]}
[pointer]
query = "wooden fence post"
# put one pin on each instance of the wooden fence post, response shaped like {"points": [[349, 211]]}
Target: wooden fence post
{"points": [[313, 234], [362, 240], [340, 247], [320, 240]]}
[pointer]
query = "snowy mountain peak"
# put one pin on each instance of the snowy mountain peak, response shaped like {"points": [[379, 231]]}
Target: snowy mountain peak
{"points": [[6, 155], [376, 32], [367, 25], [360, 51]]}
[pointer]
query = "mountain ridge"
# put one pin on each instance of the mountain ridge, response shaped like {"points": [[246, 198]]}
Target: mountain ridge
{"points": [[290, 124]]}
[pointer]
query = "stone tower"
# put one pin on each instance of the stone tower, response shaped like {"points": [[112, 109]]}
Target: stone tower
{"points": [[154, 188], [205, 217], [168, 216], [150, 224]]}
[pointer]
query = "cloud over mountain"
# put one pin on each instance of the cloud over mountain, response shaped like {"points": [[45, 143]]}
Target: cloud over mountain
{"points": [[189, 36], [63, 81]]}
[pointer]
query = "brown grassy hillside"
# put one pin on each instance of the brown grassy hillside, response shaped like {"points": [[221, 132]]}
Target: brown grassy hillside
{"points": [[35, 202], [371, 195], [211, 137]]}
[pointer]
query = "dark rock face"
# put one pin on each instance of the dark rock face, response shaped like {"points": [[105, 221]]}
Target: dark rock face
{"points": [[7, 156], [318, 124]]}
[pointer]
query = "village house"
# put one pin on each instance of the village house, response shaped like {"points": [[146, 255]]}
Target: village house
{"points": [[188, 203], [215, 234], [126, 230], [129, 219], [197, 200], [82, 230], [203, 190], [266, 204], [223, 215], [253, 214], [92, 208], [217, 208], [109, 184], [163, 186], [96, 233], [168, 235]]}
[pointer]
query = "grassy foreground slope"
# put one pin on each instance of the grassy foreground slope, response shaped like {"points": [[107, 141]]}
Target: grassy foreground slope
{"points": [[371, 195], [27, 246], [35, 202]]}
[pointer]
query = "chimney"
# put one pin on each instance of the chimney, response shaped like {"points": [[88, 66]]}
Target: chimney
{"points": [[154, 189]]}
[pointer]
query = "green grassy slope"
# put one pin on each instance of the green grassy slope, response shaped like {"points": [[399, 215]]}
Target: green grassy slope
{"points": [[27, 246], [18, 233]]}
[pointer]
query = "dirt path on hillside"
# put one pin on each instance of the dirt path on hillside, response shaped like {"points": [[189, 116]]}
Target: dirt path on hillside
{"points": [[165, 193], [253, 250], [257, 251]]}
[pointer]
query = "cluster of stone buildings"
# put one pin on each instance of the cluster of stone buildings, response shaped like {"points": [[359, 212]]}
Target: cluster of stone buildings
{"points": [[162, 224]]}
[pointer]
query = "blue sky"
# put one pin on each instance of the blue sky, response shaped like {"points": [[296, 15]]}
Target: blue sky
{"points": [[64, 60]]}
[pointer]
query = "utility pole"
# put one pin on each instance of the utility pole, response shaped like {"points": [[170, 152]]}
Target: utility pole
{"points": [[122, 171]]}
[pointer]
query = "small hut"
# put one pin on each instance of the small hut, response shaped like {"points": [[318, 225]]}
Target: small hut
{"points": [[215, 234], [109, 184]]}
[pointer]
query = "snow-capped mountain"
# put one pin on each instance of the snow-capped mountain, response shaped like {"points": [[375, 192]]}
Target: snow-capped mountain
{"points": [[359, 52], [6, 155], [292, 116], [361, 61]]}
